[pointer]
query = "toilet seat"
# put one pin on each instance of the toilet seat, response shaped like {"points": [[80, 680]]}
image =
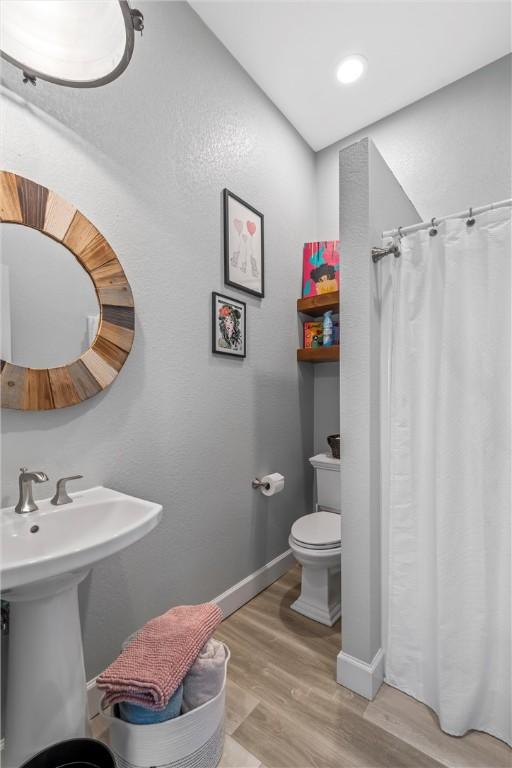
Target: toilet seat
{"points": [[318, 530], [315, 547]]}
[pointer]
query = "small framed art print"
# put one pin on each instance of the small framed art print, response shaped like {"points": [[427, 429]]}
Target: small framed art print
{"points": [[243, 245], [228, 326]]}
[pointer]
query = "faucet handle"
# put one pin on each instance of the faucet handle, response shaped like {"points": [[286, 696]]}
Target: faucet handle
{"points": [[61, 494]]}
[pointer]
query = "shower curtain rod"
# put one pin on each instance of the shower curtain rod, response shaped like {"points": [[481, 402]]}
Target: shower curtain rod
{"points": [[435, 221]]}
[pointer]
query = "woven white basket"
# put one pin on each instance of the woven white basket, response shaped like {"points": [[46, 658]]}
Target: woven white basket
{"points": [[192, 740]]}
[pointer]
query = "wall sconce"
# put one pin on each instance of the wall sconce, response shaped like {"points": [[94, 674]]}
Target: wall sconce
{"points": [[79, 43]]}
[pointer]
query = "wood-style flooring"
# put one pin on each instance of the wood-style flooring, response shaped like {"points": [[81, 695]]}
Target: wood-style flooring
{"points": [[285, 709]]}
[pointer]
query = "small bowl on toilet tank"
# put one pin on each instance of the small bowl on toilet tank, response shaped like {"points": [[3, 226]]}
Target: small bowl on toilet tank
{"points": [[334, 444]]}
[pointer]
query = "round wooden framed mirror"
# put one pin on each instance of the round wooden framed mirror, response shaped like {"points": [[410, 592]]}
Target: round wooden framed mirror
{"points": [[77, 317]]}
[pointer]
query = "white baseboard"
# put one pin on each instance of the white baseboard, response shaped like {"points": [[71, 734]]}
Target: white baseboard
{"points": [[93, 698], [229, 602], [240, 594], [362, 678]]}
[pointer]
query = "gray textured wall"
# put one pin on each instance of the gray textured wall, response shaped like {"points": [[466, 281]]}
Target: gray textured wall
{"points": [[326, 404], [448, 150], [146, 158], [370, 200]]}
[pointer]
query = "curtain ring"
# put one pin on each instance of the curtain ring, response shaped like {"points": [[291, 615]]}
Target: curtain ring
{"points": [[400, 232], [471, 220], [433, 230]]}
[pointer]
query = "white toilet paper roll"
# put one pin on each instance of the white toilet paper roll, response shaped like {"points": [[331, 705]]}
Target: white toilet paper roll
{"points": [[273, 484]]}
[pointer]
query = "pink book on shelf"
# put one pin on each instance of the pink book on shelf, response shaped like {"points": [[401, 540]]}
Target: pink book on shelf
{"points": [[321, 268]]}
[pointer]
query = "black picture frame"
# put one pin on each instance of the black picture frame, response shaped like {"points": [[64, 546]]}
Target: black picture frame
{"points": [[229, 266], [237, 303]]}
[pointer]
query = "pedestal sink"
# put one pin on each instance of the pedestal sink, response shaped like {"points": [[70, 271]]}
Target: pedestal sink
{"points": [[45, 555]]}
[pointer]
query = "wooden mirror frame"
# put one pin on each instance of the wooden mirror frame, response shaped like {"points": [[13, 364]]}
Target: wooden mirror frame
{"points": [[39, 389]]}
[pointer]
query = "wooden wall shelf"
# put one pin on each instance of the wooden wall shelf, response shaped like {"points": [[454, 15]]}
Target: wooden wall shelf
{"points": [[314, 307], [319, 354], [317, 305]]}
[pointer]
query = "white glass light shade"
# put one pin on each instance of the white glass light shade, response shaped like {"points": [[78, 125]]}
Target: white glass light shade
{"points": [[80, 43], [351, 69]]}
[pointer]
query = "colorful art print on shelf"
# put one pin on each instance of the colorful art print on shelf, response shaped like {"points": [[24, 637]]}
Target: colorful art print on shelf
{"points": [[243, 245], [228, 326], [321, 268]]}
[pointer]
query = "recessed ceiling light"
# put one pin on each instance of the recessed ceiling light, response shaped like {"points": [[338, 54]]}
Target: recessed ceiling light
{"points": [[351, 69]]}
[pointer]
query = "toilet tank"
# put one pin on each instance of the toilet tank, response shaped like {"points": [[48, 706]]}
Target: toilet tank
{"points": [[327, 471]]}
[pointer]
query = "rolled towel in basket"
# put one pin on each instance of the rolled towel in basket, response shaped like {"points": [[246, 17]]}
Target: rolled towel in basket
{"points": [[153, 665], [137, 715], [206, 676]]}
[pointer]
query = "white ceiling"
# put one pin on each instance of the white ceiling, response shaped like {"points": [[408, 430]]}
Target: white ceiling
{"points": [[291, 49]]}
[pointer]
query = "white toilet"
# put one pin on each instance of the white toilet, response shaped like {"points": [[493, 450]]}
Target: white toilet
{"points": [[315, 541]]}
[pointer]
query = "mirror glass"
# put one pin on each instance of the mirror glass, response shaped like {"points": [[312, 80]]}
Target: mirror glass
{"points": [[49, 309]]}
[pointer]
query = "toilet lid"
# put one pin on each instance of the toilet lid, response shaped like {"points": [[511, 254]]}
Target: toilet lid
{"points": [[319, 529]]}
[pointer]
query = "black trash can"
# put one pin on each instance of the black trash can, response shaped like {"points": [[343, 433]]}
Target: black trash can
{"points": [[79, 753]]}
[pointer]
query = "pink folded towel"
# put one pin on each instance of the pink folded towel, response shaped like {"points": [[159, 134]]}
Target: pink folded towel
{"points": [[151, 668]]}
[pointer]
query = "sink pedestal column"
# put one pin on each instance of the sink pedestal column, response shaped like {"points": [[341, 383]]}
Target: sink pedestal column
{"points": [[46, 688]]}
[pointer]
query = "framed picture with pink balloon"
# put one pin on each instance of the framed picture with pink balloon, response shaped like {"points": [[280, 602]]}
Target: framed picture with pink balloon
{"points": [[244, 266]]}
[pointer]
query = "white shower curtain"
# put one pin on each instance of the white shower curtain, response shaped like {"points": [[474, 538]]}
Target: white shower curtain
{"points": [[446, 471]]}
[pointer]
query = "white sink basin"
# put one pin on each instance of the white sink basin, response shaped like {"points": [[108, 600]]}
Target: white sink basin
{"points": [[44, 556], [97, 524]]}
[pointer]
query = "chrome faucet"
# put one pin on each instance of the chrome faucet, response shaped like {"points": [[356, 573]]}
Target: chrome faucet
{"points": [[26, 501]]}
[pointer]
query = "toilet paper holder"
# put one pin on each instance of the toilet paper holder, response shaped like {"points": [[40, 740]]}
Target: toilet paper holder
{"points": [[257, 483]]}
